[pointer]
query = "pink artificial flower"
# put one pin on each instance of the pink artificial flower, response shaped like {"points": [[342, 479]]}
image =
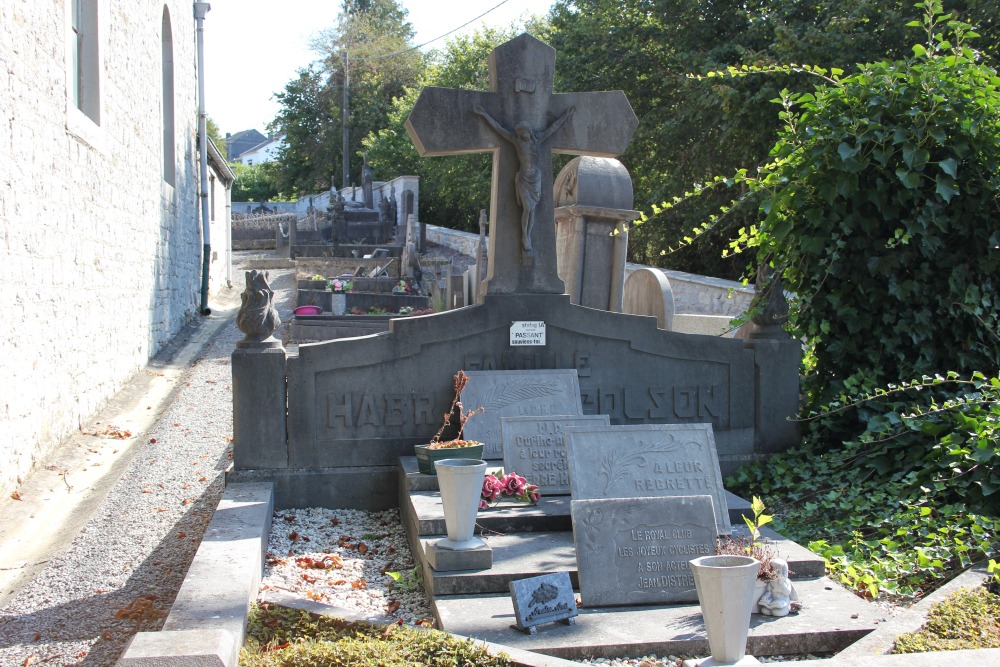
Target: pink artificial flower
{"points": [[483, 505], [514, 484]]}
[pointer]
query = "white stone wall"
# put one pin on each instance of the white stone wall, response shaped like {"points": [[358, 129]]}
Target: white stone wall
{"points": [[100, 259]]}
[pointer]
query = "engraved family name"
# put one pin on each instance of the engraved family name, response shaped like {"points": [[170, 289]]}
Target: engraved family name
{"points": [[534, 447], [636, 551], [646, 460]]}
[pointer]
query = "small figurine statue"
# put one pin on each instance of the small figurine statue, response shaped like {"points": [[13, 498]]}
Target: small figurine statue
{"points": [[777, 599], [257, 318]]}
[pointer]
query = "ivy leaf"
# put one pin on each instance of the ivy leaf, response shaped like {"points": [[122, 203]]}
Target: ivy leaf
{"points": [[949, 166], [909, 179], [946, 187]]}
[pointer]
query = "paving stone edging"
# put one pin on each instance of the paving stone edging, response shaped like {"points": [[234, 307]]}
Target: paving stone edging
{"points": [[207, 622]]}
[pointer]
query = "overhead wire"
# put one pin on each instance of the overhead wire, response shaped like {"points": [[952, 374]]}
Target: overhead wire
{"points": [[431, 41]]}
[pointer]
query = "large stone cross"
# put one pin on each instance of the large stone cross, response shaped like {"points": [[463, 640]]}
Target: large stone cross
{"points": [[522, 122]]}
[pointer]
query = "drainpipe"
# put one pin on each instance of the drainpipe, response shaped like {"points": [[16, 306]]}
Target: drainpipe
{"points": [[200, 9]]}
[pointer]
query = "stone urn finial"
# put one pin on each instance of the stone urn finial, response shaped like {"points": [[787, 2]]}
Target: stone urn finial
{"points": [[766, 323], [257, 318]]}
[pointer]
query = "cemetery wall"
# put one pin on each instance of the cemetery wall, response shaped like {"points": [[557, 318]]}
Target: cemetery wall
{"points": [[693, 294], [101, 256]]}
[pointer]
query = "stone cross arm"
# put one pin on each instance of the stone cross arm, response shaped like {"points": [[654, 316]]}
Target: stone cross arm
{"points": [[443, 122]]}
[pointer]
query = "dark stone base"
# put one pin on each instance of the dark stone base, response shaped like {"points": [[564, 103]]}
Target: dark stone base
{"points": [[372, 488]]}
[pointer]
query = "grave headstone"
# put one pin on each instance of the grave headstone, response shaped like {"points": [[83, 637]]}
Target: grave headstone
{"points": [[535, 448], [636, 550], [516, 394], [543, 599], [593, 198], [646, 461], [648, 292]]}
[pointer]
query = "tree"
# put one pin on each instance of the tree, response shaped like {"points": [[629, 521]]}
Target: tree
{"points": [[881, 207], [689, 131], [381, 64], [453, 189], [255, 182]]}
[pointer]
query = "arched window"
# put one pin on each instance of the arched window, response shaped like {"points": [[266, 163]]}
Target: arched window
{"points": [[84, 55], [169, 154]]}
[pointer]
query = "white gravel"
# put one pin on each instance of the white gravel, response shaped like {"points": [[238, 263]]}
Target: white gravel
{"points": [[344, 558]]}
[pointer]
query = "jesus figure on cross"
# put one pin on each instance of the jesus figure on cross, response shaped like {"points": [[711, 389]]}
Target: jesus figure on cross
{"points": [[528, 180]]}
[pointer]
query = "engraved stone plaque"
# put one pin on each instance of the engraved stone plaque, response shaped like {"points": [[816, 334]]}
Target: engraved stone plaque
{"points": [[636, 550], [543, 599], [647, 460], [534, 393], [534, 448]]}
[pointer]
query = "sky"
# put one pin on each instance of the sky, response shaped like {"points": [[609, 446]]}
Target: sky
{"points": [[254, 47]]}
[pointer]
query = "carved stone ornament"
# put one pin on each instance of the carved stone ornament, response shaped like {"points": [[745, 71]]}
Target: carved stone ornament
{"points": [[257, 318]]}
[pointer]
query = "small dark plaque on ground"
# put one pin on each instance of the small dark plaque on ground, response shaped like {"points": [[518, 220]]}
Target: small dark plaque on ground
{"points": [[636, 550], [534, 448], [533, 393], [645, 461], [543, 599]]}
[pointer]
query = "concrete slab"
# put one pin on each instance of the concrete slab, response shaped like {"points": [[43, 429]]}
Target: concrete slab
{"points": [[518, 555], [978, 658], [551, 513], [832, 619]]}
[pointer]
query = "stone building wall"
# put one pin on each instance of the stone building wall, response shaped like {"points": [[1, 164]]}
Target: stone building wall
{"points": [[100, 257]]}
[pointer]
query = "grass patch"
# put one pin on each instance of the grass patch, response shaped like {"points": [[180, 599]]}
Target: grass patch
{"points": [[282, 637], [966, 619]]}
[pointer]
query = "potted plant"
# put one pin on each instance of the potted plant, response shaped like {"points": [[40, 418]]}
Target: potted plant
{"points": [[456, 448], [340, 287]]}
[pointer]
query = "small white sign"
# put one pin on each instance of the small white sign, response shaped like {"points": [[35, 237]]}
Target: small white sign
{"points": [[527, 333]]}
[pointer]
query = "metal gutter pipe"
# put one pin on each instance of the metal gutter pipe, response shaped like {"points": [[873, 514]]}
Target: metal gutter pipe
{"points": [[200, 9]]}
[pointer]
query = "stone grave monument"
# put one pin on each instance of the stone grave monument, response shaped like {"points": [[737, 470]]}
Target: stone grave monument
{"points": [[356, 407]]}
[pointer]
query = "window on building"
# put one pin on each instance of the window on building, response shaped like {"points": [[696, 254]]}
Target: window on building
{"points": [[211, 193], [84, 59], [169, 154]]}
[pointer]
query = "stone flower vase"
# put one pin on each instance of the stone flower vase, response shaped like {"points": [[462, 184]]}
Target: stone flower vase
{"points": [[461, 483], [726, 594], [338, 305]]}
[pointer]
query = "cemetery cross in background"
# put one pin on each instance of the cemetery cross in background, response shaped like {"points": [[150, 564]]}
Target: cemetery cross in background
{"points": [[522, 122]]}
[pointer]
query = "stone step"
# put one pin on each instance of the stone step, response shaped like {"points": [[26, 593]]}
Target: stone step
{"points": [[517, 556], [831, 619], [420, 494]]}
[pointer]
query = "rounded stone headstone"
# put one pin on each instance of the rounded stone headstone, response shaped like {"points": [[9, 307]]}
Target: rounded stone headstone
{"points": [[648, 292], [594, 181]]}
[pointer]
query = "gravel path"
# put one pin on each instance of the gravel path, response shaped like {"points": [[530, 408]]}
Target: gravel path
{"points": [[121, 573]]}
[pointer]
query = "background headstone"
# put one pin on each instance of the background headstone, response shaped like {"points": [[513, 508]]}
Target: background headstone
{"points": [[516, 394], [534, 448], [636, 550], [648, 292], [644, 461]]}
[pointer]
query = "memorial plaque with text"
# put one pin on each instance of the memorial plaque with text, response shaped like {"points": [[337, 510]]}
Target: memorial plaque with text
{"points": [[636, 550], [648, 460], [534, 448], [534, 393]]}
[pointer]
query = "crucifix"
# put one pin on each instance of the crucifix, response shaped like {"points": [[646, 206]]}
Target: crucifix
{"points": [[522, 122]]}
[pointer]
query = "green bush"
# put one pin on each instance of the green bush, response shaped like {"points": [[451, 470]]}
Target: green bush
{"points": [[280, 637], [909, 502]]}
